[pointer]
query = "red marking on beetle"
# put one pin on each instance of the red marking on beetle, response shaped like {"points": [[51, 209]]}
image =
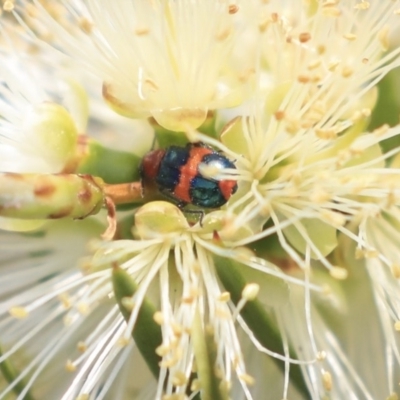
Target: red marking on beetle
{"points": [[226, 187], [151, 163], [189, 171]]}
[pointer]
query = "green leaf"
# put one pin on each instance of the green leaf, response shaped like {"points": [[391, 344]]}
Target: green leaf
{"points": [[206, 354], [146, 332], [258, 320]]}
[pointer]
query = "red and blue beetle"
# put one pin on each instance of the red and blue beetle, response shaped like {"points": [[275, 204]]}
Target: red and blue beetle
{"points": [[175, 173]]}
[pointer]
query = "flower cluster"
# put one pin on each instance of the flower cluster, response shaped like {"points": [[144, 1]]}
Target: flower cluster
{"points": [[253, 253]]}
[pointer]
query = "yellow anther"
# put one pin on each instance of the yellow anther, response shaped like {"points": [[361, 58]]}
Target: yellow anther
{"points": [[396, 270], [248, 379], [70, 366], [321, 355], [224, 297], [128, 303], [327, 380], [339, 273], [18, 312], [158, 317], [83, 308], [81, 346], [250, 291], [179, 378]]}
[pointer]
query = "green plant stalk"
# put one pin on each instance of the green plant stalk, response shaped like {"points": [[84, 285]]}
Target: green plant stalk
{"points": [[146, 333], [10, 373], [205, 355], [113, 166]]}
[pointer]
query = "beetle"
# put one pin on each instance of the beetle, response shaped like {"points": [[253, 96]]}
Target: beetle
{"points": [[175, 172]]}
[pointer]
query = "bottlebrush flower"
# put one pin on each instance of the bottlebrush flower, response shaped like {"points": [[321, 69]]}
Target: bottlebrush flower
{"points": [[171, 60], [287, 291]]}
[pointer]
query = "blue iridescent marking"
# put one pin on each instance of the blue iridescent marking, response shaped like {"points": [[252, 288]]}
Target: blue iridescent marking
{"points": [[169, 171]]}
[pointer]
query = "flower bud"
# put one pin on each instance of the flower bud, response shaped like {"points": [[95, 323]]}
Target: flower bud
{"points": [[159, 218], [51, 131]]}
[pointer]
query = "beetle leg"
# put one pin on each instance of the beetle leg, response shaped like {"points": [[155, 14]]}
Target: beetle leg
{"points": [[199, 213]]}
